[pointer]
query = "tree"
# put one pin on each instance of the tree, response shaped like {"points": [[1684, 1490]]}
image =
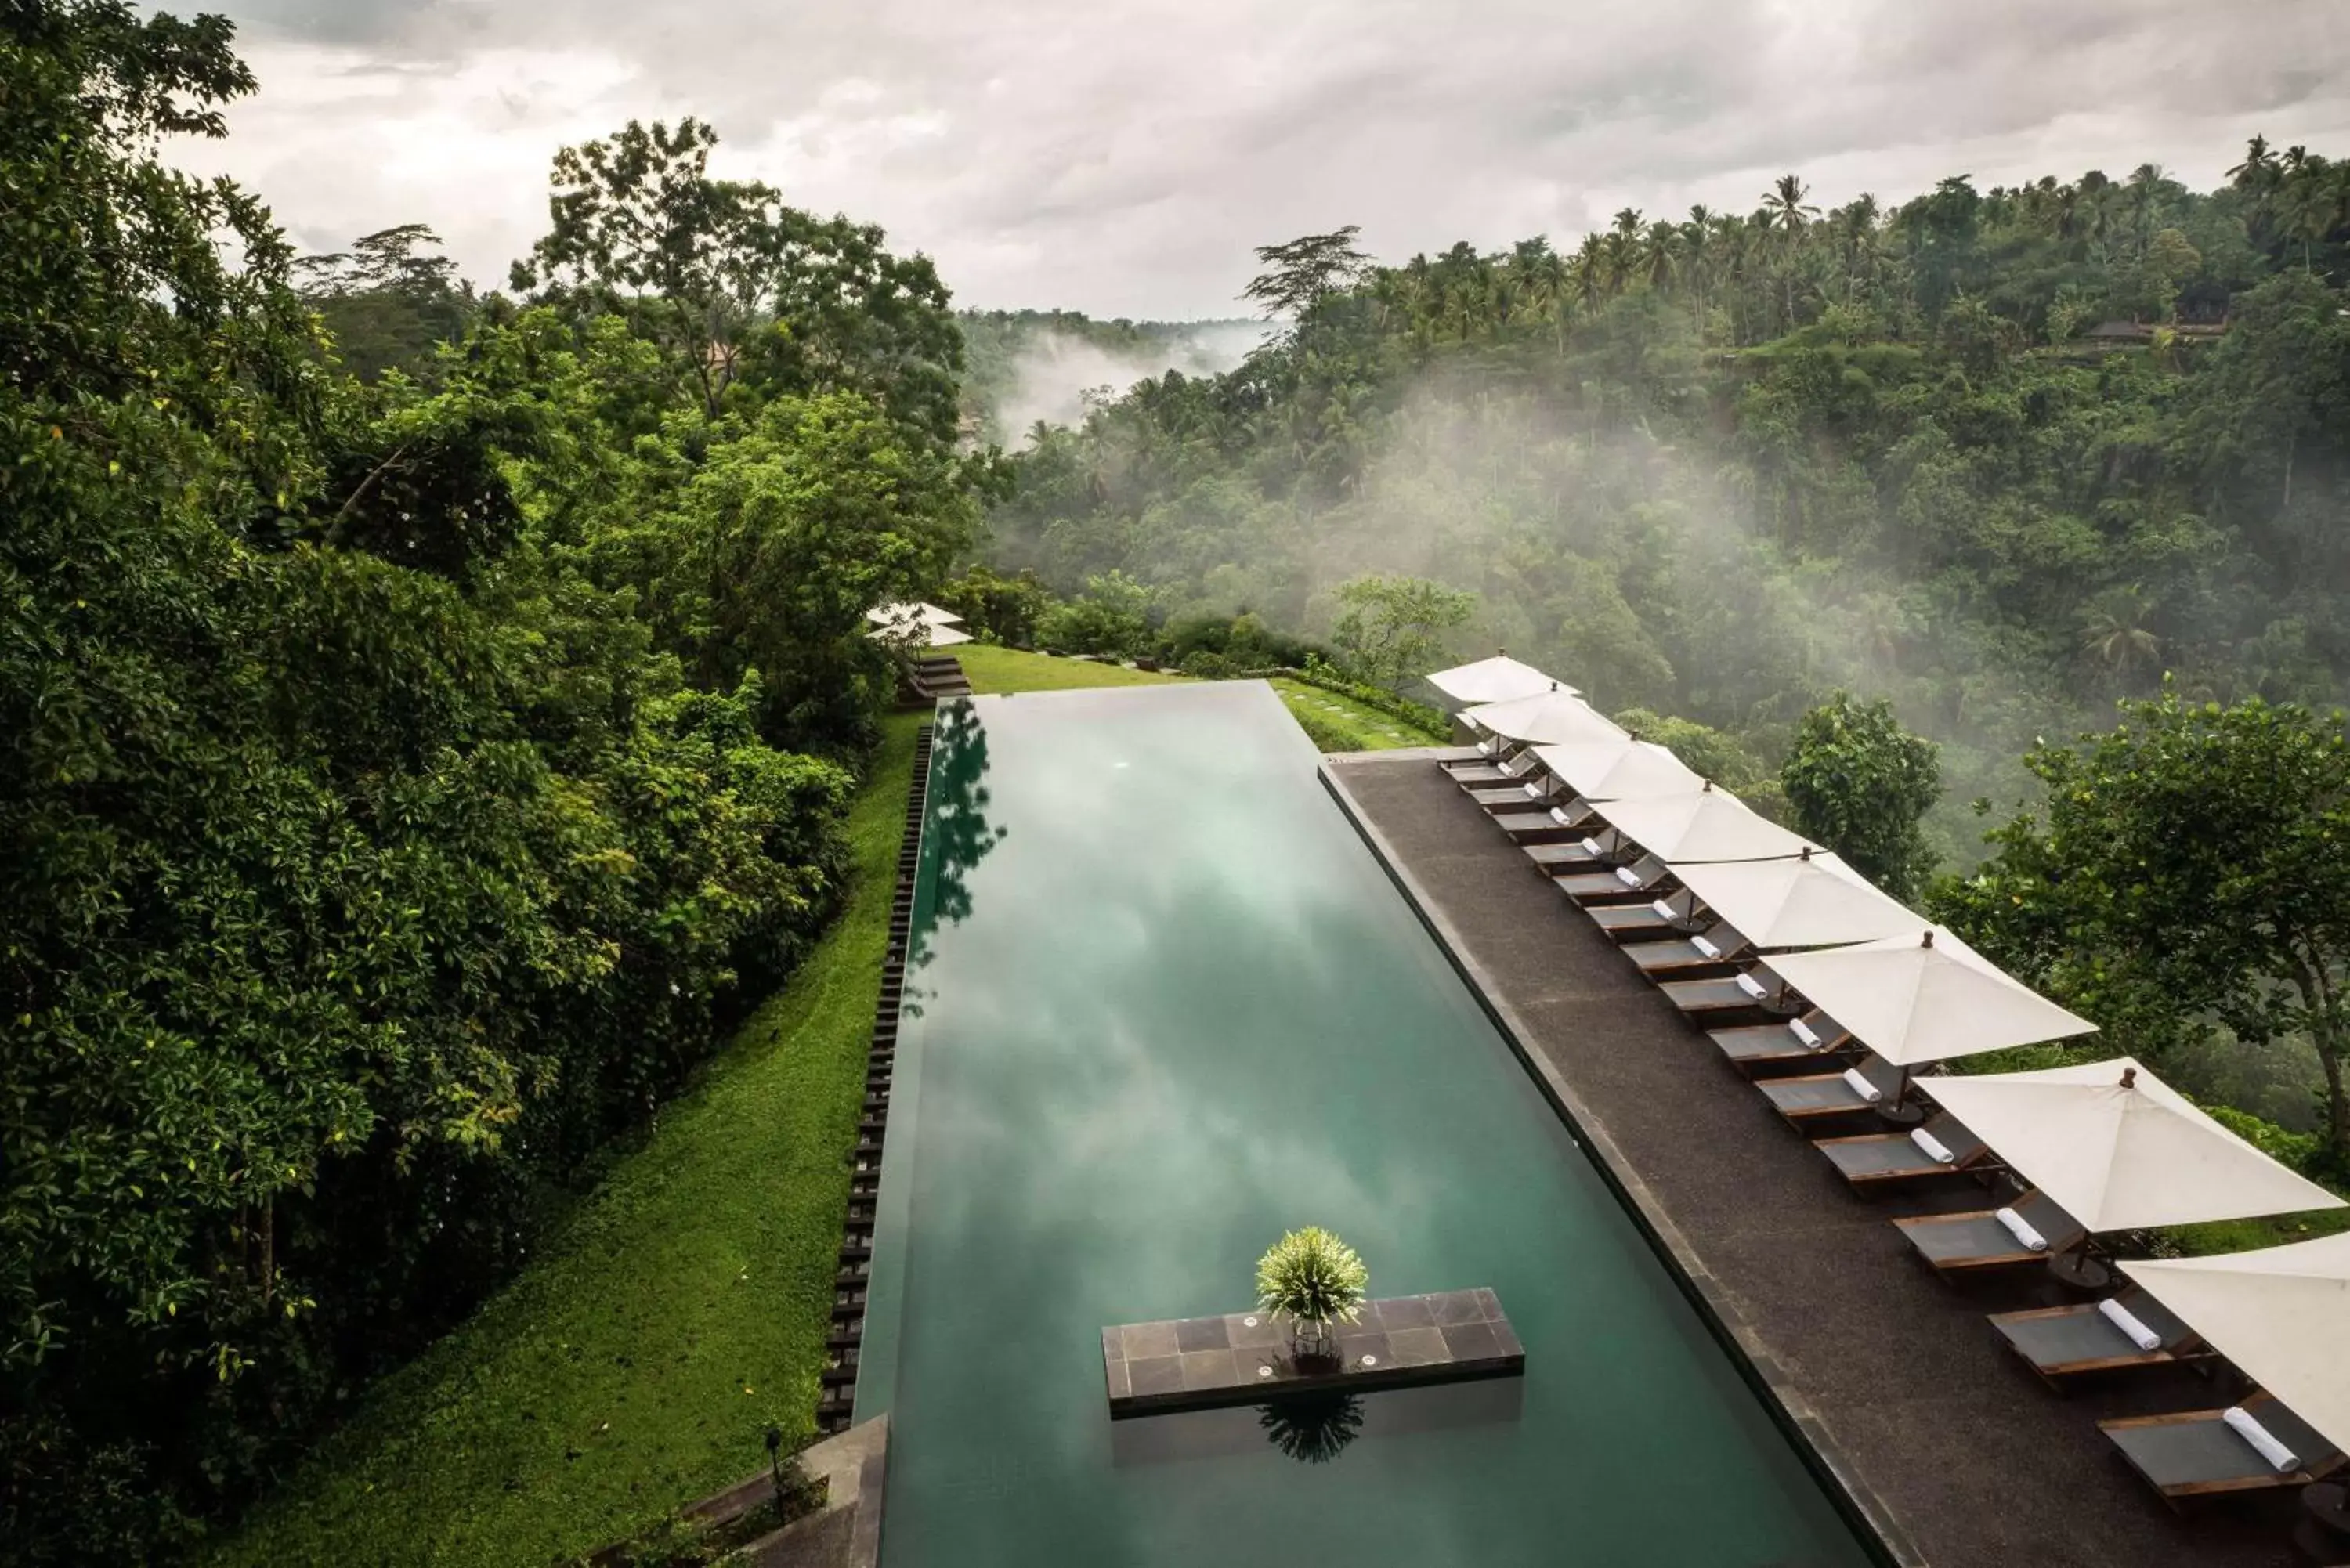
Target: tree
{"points": [[2191, 863], [1388, 627], [2115, 635], [638, 221], [388, 301], [1304, 270], [1859, 782]]}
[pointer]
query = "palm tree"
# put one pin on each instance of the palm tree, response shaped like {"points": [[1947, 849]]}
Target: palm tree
{"points": [[2258, 163], [1660, 251], [1783, 206], [2115, 634], [1696, 251]]}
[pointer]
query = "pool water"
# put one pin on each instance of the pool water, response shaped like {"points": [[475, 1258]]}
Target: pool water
{"points": [[1164, 1005]]}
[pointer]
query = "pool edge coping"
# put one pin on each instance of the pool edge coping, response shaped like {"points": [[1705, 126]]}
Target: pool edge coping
{"points": [[1878, 1532]]}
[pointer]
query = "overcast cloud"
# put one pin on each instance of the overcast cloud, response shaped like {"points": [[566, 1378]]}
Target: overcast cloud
{"points": [[1122, 159]]}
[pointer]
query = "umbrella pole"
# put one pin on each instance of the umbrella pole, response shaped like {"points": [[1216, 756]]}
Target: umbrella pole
{"points": [[1903, 1111]]}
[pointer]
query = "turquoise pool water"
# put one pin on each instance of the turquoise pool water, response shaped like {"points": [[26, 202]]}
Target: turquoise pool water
{"points": [[1165, 1005]]}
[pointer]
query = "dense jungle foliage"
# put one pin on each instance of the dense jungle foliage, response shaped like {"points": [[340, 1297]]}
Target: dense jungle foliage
{"points": [[2001, 455], [425, 722]]}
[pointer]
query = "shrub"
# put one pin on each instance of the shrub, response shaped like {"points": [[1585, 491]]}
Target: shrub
{"points": [[1310, 1276]]}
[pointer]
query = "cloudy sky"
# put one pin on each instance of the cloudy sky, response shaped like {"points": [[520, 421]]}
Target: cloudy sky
{"points": [[1122, 159]]}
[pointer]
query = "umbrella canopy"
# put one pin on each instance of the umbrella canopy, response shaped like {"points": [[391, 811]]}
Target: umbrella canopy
{"points": [[2117, 1147], [1497, 680], [1925, 997], [916, 625], [2277, 1314], [1705, 824], [1620, 768], [1811, 901], [912, 610], [1547, 718]]}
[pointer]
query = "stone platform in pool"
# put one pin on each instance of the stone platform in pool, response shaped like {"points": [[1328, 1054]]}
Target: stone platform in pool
{"points": [[1244, 1358], [1954, 1452]]}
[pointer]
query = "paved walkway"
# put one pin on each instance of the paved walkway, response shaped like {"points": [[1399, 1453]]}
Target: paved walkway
{"points": [[1958, 1455]]}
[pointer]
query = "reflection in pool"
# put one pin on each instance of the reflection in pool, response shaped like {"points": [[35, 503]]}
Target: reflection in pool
{"points": [[1169, 1007]]}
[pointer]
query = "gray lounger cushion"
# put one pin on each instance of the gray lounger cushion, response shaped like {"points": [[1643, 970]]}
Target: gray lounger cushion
{"points": [[2054, 1340], [1780, 1042], [2176, 1454], [1949, 1239], [1882, 1155], [1730, 947], [1824, 1093], [1709, 995]]}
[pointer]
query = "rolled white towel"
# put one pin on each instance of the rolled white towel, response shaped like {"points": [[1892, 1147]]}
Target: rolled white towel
{"points": [[1534, 789], [1804, 1032], [1558, 815], [1591, 846], [2285, 1461], [1625, 874], [1862, 1086], [1663, 910], [1488, 745], [1752, 987], [1934, 1148], [1706, 948], [2121, 1318], [2020, 1229]]}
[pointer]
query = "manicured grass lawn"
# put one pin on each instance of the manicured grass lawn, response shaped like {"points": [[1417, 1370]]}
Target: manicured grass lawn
{"points": [[1002, 669], [1339, 724], [634, 1366], [1336, 724]]}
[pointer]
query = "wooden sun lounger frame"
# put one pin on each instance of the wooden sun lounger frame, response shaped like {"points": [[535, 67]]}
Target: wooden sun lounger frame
{"points": [[1981, 1159], [2189, 1349], [2268, 1481], [1946, 1267]]}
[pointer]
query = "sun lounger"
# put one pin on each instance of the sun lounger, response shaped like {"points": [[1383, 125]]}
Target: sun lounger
{"points": [[1817, 1094], [2064, 1341], [1665, 918], [1540, 824], [1714, 950], [1484, 753], [1536, 793], [1874, 1160], [1748, 992], [1637, 883], [1962, 1243], [2195, 1453], [1814, 1037], [1511, 771], [1574, 854]]}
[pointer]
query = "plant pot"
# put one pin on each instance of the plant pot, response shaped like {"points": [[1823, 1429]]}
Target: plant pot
{"points": [[1311, 1340]]}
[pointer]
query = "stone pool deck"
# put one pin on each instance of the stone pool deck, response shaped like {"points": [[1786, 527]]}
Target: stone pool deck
{"points": [[1950, 1448]]}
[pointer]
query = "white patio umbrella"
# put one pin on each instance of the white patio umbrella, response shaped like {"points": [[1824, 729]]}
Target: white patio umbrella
{"points": [[1546, 718], [1499, 679], [2277, 1313], [1926, 997], [1704, 824], [1618, 769], [1811, 901], [917, 625], [2118, 1149], [912, 610]]}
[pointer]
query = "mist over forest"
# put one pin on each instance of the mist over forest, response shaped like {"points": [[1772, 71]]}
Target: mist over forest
{"points": [[2002, 456]]}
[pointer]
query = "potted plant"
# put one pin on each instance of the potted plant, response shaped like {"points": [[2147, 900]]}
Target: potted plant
{"points": [[1313, 1279]]}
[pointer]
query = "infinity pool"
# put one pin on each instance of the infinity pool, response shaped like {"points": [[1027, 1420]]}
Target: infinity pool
{"points": [[1164, 1005]]}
